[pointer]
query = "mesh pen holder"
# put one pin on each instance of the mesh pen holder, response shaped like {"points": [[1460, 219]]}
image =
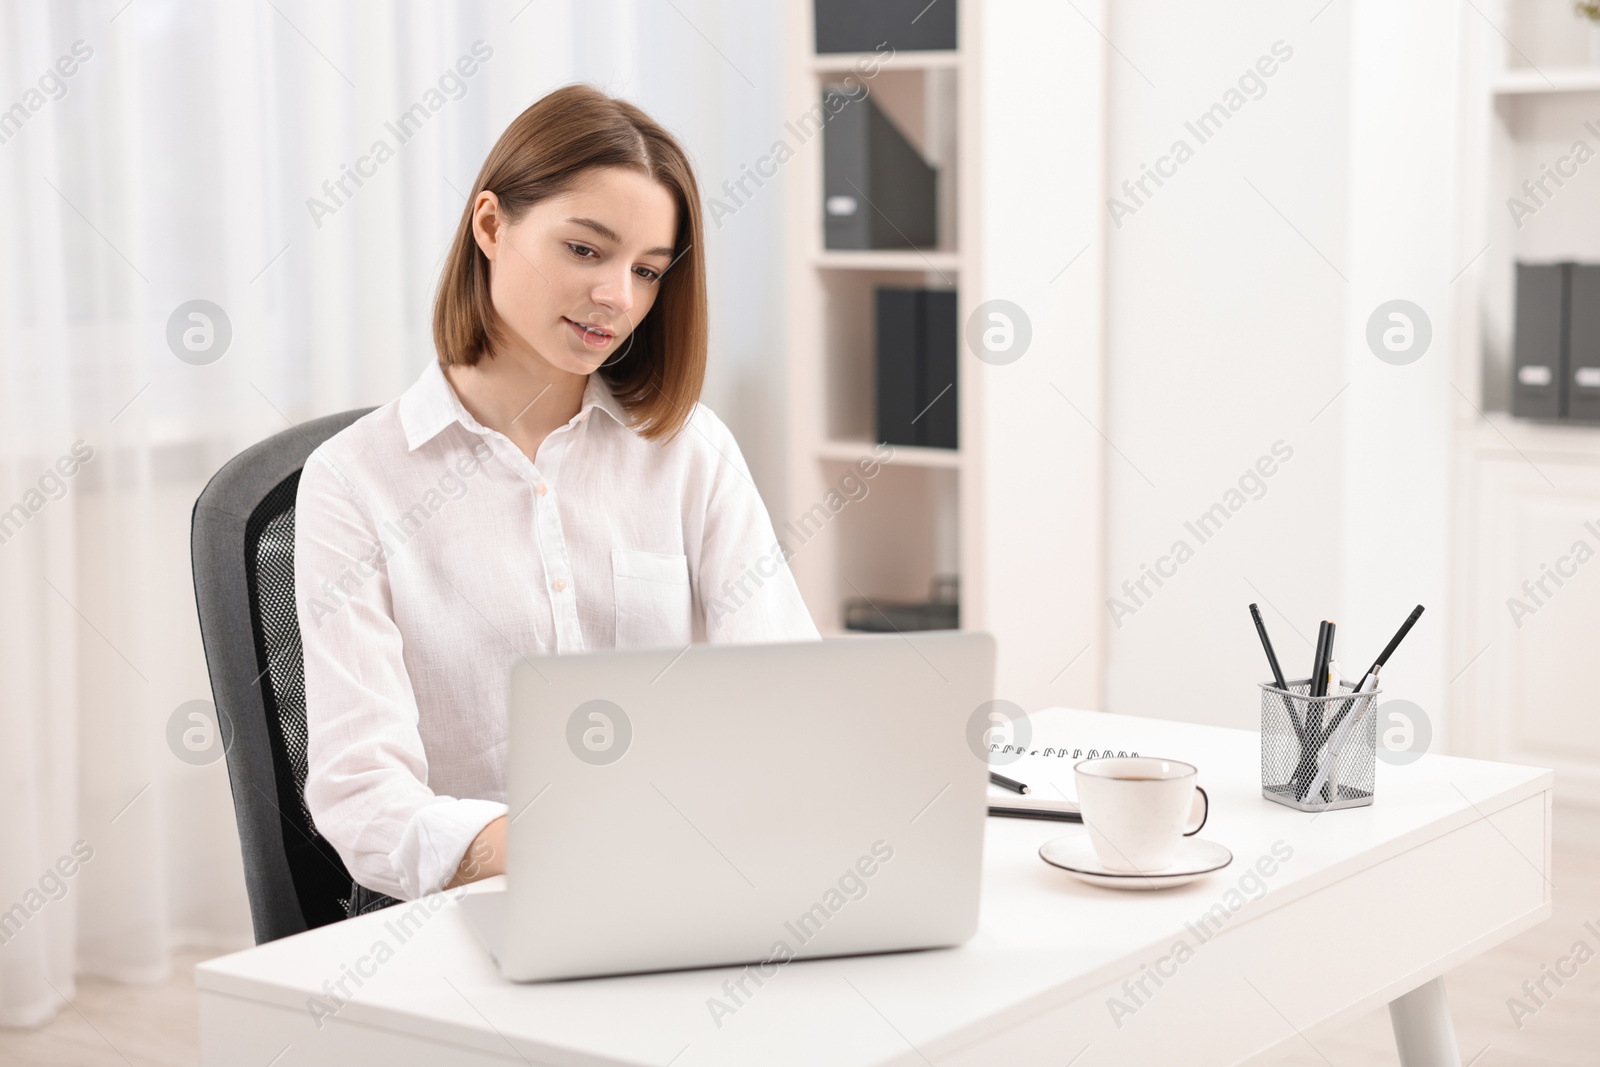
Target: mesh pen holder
{"points": [[1318, 753]]}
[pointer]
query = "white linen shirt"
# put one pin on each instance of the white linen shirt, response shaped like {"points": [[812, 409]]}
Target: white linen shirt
{"points": [[431, 554]]}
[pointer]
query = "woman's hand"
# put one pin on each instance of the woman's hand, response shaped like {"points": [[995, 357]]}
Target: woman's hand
{"points": [[485, 857]]}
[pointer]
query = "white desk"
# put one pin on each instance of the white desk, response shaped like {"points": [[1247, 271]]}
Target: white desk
{"points": [[1374, 904]]}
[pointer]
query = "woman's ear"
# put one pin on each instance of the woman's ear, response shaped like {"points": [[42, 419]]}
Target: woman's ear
{"points": [[488, 224]]}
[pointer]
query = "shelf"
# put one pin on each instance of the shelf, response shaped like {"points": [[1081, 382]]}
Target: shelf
{"points": [[1578, 442], [904, 455], [845, 62], [890, 259], [1531, 82]]}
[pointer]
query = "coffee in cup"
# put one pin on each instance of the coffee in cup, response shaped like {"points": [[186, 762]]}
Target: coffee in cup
{"points": [[1137, 808]]}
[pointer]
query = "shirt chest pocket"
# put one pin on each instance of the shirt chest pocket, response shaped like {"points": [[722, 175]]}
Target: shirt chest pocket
{"points": [[654, 602]]}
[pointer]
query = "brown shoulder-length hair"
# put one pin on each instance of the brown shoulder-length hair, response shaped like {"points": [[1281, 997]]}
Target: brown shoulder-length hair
{"points": [[544, 153]]}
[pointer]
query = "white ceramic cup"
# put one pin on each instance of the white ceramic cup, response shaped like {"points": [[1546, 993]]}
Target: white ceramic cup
{"points": [[1136, 809]]}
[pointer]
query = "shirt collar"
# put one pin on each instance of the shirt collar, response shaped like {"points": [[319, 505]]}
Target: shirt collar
{"points": [[431, 404]]}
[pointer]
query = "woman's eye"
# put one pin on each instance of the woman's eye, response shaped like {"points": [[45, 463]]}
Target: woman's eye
{"points": [[580, 250]]}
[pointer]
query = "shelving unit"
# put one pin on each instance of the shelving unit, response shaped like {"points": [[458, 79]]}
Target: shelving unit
{"points": [[1015, 512], [900, 527]]}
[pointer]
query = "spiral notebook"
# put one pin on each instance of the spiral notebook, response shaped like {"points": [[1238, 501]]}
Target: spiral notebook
{"points": [[1047, 771]]}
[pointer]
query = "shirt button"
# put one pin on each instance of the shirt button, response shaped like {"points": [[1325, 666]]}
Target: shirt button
{"points": [[561, 583], [541, 489]]}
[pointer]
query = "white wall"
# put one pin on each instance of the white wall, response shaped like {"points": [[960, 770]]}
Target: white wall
{"points": [[1041, 242], [1397, 538], [1224, 315], [1239, 296]]}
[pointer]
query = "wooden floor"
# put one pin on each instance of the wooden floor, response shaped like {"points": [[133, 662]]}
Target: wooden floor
{"points": [[113, 1025]]}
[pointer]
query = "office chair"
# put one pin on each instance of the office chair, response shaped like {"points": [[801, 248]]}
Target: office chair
{"points": [[242, 549]]}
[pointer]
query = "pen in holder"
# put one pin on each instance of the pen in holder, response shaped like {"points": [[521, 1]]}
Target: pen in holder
{"points": [[1318, 753]]}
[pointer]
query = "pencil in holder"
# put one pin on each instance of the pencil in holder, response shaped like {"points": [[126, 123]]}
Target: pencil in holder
{"points": [[1318, 753]]}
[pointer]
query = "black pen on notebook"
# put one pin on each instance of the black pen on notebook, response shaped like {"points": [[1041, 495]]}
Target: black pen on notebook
{"points": [[1008, 783]]}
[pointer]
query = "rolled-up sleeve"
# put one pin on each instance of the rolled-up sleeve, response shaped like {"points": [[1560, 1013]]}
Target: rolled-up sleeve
{"points": [[747, 592], [367, 773]]}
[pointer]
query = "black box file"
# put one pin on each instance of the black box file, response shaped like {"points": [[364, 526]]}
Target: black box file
{"points": [[877, 190], [904, 25], [916, 367], [1539, 343], [1583, 343]]}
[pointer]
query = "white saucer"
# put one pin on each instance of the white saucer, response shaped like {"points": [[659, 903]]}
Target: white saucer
{"points": [[1195, 858]]}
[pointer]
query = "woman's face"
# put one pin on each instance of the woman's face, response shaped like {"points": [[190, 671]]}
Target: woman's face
{"points": [[574, 277]]}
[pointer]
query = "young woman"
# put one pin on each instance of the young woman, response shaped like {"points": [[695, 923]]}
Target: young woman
{"points": [[550, 484]]}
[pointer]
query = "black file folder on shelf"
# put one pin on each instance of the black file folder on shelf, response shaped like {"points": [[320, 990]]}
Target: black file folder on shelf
{"points": [[942, 611], [878, 191], [1539, 343], [916, 367], [903, 25], [1583, 343]]}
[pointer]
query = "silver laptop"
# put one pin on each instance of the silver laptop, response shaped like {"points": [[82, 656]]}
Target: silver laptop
{"points": [[734, 804]]}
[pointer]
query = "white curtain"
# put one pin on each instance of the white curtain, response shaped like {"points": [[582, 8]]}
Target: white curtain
{"points": [[157, 152]]}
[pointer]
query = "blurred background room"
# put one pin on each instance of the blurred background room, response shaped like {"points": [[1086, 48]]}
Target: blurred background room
{"points": [[1251, 303]]}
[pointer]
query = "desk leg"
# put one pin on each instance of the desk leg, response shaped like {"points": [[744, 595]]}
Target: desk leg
{"points": [[1422, 1030]]}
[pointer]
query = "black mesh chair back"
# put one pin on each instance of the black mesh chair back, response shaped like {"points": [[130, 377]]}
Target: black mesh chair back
{"points": [[242, 548]]}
